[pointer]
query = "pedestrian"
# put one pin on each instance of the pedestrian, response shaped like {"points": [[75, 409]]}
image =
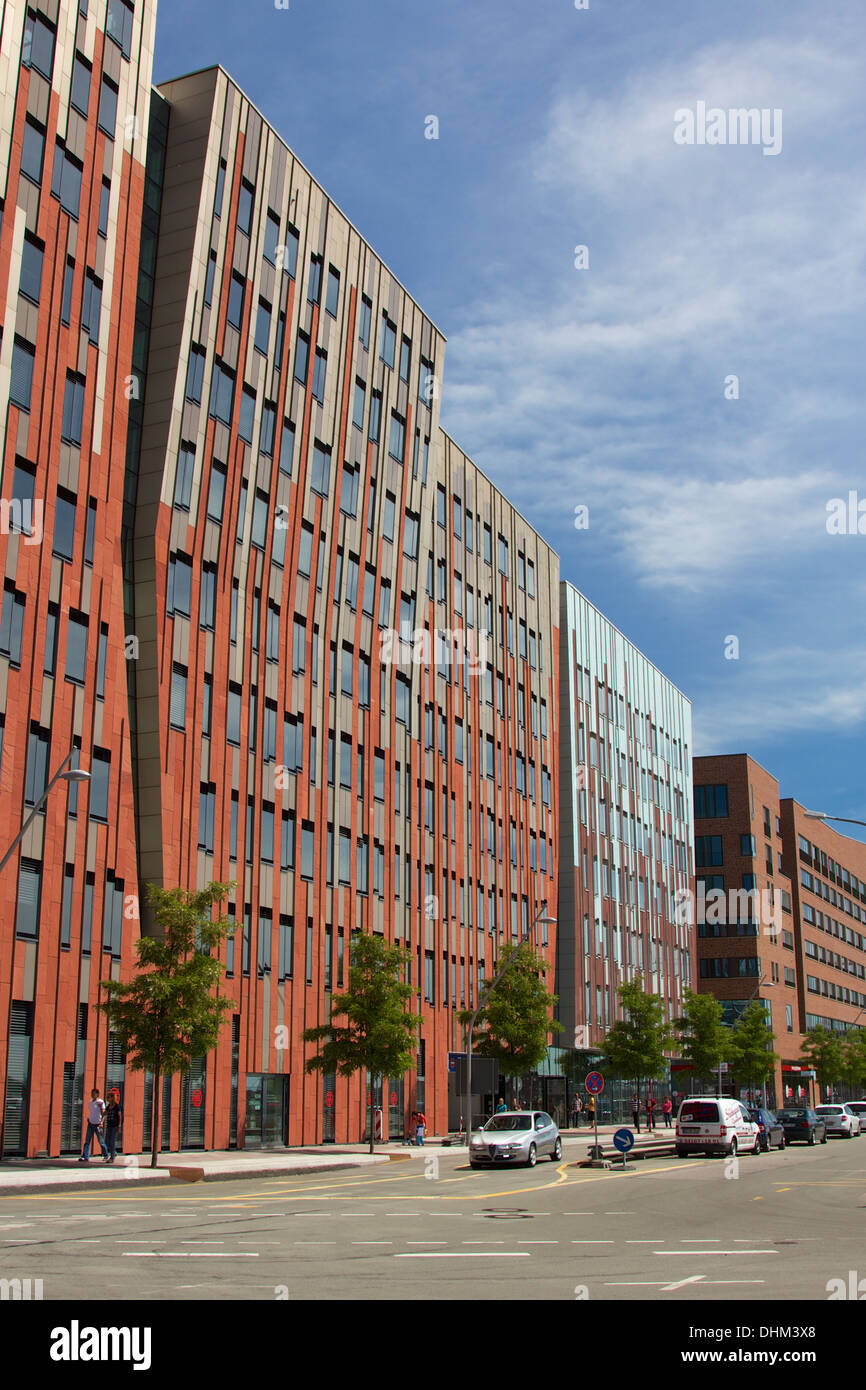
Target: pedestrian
{"points": [[501, 1107], [667, 1111], [650, 1111], [635, 1111], [576, 1107], [420, 1126], [590, 1111], [95, 1112], [111, 1122]]}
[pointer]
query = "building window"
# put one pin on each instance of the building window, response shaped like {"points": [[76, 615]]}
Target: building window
{"points": [[397, 442], [245, 207], [29, 894], [37, 51], [365, 321], [320, 372], [118, 26], [104, 202], [235, 311], [30, 283], [32, 152], [107, 119], [21, 384], [64, 526], [314, 290], [222, 393], [388, 343], [100, 773], [76, 648], [711, 801], [333, 296], [73, 410], [321, 469], [177, 713], [66, 180], [12, 623]]}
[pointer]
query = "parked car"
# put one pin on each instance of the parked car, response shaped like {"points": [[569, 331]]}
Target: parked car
{"points": [[858, 1107], [770, 1132], [715, 1124], [839, 1120], [802, 1125], [515, 1137]]}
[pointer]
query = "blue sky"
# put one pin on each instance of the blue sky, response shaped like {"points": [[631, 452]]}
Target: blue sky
{"points": [[605, 386]]}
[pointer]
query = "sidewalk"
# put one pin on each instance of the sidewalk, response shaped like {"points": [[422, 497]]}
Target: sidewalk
{"points": [[67, 1174], [28, 1175]]}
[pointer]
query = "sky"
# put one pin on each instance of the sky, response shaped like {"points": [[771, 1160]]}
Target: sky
{"points": [[694, 378]]}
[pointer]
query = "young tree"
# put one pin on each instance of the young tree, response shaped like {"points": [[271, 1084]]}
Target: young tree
{"points": [[635, 1046], [824, 1052], [381, 1031], [854, 1062], [168, 1013], [751, 1052], [514, 1025], [704, 1038]]}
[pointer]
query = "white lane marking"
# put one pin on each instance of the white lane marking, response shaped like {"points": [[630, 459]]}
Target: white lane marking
{"points": [[578, 1213], [598, 1242], [424, 1242], [190, 1255], [372, 1242], [315, 1242], [465, 1255], [715, 1252], [692, 1279], [200, 1242], [15, 1225], [538, 1242], [477, 1242], [640, 1242]]}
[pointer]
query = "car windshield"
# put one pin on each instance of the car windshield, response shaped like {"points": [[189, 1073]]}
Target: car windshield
{"points": [[828, 1110], [857, 1107], [792, 1114], [510, 1122]]}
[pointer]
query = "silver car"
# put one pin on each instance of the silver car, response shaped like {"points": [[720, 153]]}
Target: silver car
{"points": [[839, 1120], [515, 1136]]}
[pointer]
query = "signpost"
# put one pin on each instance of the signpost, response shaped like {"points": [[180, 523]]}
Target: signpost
{"points": [[623, 1140], [594, 1083]]}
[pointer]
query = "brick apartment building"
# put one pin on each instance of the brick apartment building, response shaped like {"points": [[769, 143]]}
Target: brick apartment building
{"points": [[814, 880], [828, 878]]}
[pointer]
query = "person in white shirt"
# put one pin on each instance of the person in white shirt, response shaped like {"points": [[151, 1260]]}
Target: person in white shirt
{"points": [[95, 1112]]}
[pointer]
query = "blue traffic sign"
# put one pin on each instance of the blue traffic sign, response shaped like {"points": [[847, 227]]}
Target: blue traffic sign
{"points": [[594, 1083], [623, 1140]]}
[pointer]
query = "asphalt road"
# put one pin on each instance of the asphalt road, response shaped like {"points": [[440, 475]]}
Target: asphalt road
{"points": [[430, 1228]]}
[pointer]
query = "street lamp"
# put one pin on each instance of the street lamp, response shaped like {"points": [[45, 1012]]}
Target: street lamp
{"points": [[823, 815], [541, 918], [72, 774]]}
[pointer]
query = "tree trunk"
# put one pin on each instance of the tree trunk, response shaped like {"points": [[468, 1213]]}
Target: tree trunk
{"points": [[154, 1133]]}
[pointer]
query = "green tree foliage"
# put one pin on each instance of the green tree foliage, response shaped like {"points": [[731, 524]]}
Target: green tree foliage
{"points": [[514, 1025], [635, 1046], [751, 1052], [824, 1052], [168, 1013], [854, 1061], [704, 1038], [380, 1032]]}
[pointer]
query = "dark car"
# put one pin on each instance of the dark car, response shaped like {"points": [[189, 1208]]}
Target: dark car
{"points": [[802, 1126], [771, 1133]]}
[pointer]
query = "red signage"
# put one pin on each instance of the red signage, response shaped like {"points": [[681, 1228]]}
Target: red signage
{"points": [[393, 1098], [329, 1099], [369, 1097], [197, 1098]]}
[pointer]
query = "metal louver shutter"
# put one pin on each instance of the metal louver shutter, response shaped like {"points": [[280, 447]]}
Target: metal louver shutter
{"points": [[18, 1079]]}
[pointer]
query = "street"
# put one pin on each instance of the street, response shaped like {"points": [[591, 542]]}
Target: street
{"points": [[429, 1228]]}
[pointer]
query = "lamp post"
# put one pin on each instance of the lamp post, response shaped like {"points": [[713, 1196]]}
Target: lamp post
{"points": [[540, 917], [823, 815], [74, 774], [65, 774]]}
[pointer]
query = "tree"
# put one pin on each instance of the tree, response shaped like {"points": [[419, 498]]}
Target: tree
{"points": [[514, 1025], [380, 1031], [824, 1052], [635, 1046], [854, 1062], [168, 1014], [751, 1052], [705, 1040]]}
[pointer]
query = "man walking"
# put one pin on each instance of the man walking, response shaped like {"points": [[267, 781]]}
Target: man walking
{"points": [[650, 1111], [95, 1112], [576, 1107], [635, 1111]]}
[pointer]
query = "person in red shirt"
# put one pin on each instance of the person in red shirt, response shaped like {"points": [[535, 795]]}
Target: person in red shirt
{"points": [[420, 1127], [650, 1110], [667, 1111]]}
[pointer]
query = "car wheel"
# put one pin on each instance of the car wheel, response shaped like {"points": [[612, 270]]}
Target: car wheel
{"points": [[474, 1165], [733, 1148], [682, 1153], [533, 1156], [811, 1138], [557, 1151]]}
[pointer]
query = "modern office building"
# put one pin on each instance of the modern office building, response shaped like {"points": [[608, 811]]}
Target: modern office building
{"points": [[75, 83], [747, 935], [625, 865], [296, 636]]}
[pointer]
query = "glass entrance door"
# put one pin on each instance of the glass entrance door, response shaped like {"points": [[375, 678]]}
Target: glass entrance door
{"points": [[267, 1111]]}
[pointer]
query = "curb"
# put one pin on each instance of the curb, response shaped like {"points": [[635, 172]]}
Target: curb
{"points": [[175, 1176]]}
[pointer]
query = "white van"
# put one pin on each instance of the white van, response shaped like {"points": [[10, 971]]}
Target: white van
{"points": [[715, 1124]]}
